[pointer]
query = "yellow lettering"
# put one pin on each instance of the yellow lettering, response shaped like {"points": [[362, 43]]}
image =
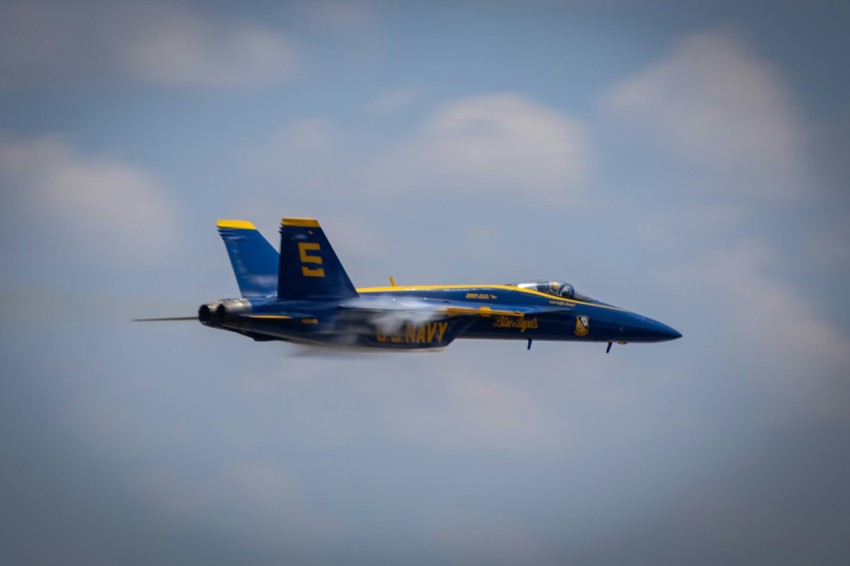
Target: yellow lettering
{"points": [[443, 326], [521, 324], [432, 329], [485, 296], [303, 248], [416, 334]]}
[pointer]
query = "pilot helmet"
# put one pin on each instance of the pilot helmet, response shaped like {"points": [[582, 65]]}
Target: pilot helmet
{"points": [[566, 291]]}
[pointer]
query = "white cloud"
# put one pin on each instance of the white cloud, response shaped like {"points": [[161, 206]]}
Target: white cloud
{"points": [[342, 15], [304, 137], [362, 239], [394, 101], [497, 144], [768, 326], [827, 243], [154, 42], [304, 155], [475, 411], [717, 104], [254, 500], [482, 144], [100, 207], [170, 44]]}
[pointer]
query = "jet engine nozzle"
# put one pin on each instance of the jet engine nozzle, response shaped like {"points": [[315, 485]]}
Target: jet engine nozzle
{"points": [[217, 311]]}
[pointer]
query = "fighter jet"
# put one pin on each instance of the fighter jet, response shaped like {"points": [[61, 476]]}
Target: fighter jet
{"points": [[303, 295]]}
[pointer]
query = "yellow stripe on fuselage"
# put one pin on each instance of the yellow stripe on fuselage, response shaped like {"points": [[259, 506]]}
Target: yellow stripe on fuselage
{"points": [[483, 288], [481, 311], [239, 224]]}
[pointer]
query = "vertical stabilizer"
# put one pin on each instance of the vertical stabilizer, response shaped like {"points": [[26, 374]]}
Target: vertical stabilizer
{"points": [[254, 260], [309, 268]]}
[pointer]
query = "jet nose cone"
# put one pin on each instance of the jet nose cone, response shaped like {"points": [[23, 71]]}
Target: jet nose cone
{"points": [[644, 329], [671, 332], [660, 331]]}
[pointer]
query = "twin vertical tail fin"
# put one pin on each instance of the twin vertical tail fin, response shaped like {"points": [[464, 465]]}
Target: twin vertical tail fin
{"points": [[306, 268], [254, 260], [309, 268]]}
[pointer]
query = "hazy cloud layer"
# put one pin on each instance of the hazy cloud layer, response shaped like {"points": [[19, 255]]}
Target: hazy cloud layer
{"points": [[163, 43], [65, 204], [714, 102], [394, 101], [796, 354], [730, 116], [174, 443], [498, 144], [342, 15], [505, 143]]}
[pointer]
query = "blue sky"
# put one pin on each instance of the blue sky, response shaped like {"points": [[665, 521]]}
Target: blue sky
{"points": [[682, 160]]}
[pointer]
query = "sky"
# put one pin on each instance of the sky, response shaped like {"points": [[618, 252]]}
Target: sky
{"points": [[685, 160]]}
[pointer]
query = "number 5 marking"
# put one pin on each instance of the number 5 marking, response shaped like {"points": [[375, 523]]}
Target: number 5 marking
{"points": [[303, 248]]}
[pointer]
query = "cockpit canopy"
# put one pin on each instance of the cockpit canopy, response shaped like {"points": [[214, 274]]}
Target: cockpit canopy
{"points": [[558, 289]]}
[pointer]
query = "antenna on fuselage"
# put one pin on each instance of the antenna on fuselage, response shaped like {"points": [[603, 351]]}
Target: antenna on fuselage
{"points": [[392, 281]]}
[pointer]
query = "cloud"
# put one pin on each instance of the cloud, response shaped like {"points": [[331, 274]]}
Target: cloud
{"points": [[394, 101], [162, 43], [478, 538], [727, 116], [304, 137], [362, 239], [476, 411], [306, 153], [57, 199], [717, 104], [496, 142], [768, 326], [341, 15]]}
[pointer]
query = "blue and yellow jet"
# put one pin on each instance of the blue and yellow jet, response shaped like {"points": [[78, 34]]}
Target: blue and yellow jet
{"points": [[303, 295]]}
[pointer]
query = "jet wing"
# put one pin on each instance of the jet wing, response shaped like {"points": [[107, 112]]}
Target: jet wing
{"points": [[386, 322]]}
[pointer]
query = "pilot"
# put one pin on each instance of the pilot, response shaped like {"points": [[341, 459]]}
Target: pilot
{"points": [[566, 291]]}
